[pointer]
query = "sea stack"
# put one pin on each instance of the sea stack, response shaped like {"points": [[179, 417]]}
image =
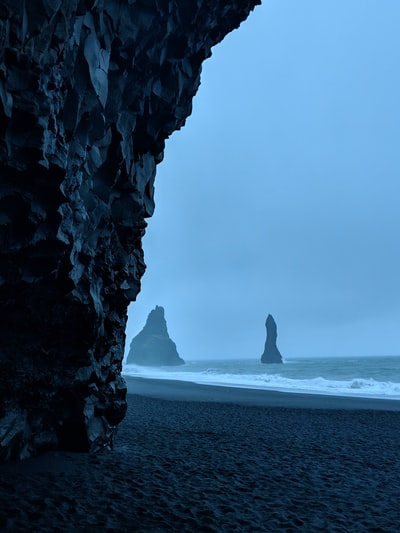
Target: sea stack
{"points": [[271, 353], [153, 346]]}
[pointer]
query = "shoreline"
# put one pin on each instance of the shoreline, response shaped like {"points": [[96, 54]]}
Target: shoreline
{"points": [[177, 390]]}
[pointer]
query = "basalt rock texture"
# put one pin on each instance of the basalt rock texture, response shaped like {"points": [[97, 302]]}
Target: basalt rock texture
{"points": [[271, 353], [153, 345], [89, 91]]}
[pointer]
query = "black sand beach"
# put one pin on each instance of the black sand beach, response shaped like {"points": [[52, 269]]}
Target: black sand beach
{"points": [[197, 458], [184, 391]]}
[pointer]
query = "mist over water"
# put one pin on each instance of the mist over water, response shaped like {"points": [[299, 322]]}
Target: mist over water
{"points": [[280, 194], [370, 377]]}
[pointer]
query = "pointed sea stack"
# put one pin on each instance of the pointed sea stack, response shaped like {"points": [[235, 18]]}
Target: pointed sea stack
{"points": [[153, 346], [271, 353]]}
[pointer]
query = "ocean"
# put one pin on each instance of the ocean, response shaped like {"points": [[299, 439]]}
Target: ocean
{"points": [[370, 377]]}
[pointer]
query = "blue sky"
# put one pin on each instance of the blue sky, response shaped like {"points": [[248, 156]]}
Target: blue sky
{"points": [[281, 194]]}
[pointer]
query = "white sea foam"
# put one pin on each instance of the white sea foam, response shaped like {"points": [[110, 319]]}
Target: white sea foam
{"points": [[302, 376]]}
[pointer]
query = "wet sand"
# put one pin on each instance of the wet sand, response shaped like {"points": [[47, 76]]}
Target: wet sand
{"points": [[198, 458], [184, 391]]}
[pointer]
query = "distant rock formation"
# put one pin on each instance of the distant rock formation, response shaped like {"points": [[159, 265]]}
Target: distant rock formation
{"points": [[153, 346], [271, 353]]}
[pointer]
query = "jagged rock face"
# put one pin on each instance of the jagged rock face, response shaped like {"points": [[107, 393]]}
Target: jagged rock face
{"points": [[271, 353], [153, 345], [89, 91]]}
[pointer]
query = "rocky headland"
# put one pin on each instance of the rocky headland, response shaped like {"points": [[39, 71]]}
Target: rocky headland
{"points": [[89, 91], [153, 345]]}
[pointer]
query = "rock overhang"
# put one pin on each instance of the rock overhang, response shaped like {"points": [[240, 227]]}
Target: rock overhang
{"points": [[89, 91]]}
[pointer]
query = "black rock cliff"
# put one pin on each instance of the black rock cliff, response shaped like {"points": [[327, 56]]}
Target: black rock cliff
{"points": [[89, 91]]}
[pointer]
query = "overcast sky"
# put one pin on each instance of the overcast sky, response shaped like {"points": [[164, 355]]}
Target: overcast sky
{"points": [[281, 195]]}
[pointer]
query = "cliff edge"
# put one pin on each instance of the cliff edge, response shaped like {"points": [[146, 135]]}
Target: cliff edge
{"points": [[89, 91]]}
